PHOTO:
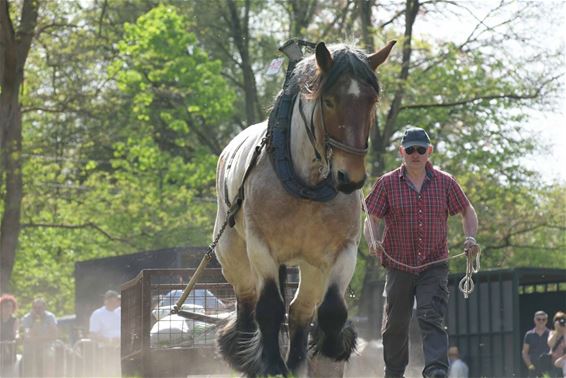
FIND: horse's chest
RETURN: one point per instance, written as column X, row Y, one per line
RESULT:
column 295, row 228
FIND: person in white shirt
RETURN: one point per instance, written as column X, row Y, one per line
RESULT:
column 458, row 368
column 104, row 324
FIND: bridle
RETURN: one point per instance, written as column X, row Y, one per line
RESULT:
column 329, row 141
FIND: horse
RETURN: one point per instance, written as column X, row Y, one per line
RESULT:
column 331, row 97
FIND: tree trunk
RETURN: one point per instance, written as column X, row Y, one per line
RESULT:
column 301, row 13
column 13, row 55
column 365, row 8
column 241, row 37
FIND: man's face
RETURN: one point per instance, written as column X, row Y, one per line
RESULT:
column 540, row 320
column 38, row 308
column 412, row 156
column 112, row 302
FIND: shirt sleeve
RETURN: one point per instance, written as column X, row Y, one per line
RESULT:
column 526, row 339
column 94, row 323
column 376, row 201
column 26, row 322
column 457, row 200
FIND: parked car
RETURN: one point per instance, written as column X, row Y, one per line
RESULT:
column 199, row 300
column 175, row 330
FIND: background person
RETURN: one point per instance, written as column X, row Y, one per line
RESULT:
column 104, row 322
column 9, row 326
column 557, row 344
column 104, row 329
column 535, row 343
column 415, row 201
column 40, row 331
column 458, row 368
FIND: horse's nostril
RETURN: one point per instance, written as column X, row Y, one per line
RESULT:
column 342, row 177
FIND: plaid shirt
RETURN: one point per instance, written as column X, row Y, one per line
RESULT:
column 416, row 224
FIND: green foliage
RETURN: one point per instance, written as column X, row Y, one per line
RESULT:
column 145, row 179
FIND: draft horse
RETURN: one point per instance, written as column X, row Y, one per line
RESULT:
column 334, row 93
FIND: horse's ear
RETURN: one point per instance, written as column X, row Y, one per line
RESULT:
column 376, row 59
column 323, row 57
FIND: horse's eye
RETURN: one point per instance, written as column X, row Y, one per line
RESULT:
column 328, row 103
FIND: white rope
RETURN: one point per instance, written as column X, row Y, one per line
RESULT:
column 466, row 284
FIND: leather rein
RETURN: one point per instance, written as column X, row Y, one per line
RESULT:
column 329, row 142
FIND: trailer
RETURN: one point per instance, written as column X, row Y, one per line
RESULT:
column 154, row 342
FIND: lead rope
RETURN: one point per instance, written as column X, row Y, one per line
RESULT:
column 466, row 284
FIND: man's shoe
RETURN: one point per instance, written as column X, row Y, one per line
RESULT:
column 436, row 373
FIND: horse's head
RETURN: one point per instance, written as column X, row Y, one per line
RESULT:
column 347, row 94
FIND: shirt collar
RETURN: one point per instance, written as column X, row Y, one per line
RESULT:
column 428, row 168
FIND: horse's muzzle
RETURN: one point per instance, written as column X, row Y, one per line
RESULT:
column 344, row 184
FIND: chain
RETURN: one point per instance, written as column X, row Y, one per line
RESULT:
column 212, row 245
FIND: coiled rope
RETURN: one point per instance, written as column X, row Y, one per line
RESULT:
column 466, row 284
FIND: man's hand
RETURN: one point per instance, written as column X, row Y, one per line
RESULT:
column 471, row 247
column 377, row 249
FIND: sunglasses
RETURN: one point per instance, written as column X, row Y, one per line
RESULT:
column 540, row 319
column 420, row 149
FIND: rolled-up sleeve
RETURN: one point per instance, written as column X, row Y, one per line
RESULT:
column 376, row 201
column 457, row 200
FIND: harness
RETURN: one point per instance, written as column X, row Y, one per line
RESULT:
column 279, row 137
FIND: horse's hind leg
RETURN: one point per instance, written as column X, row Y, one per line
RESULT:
column 334, row 336
column 238, row 338
column 270, row 309
column 309, row 294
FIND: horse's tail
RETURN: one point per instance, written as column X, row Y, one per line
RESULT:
column 283, row 281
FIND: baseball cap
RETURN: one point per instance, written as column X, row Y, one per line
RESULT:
column 415, row 136
column 111, row 294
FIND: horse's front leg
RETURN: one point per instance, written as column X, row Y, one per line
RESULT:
column 333, row 336
column 309, row 294
column 270, row 309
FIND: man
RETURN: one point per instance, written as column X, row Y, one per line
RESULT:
column 458, row 368
column 40, row 331
column 104, row 324
column 535, row 343
column 415, row 201
column 104, row 328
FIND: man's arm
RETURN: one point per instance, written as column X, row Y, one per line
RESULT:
column 470, row 225
column 470, row 221
column 377, row 228
column 526, row 358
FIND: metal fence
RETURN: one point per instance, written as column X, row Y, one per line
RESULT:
column 85, row 358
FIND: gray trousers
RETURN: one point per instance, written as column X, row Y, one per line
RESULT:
column 430, row 288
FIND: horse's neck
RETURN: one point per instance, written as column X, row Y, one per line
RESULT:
column 306, row 166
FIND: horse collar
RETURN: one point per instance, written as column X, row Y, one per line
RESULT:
column 279, row 142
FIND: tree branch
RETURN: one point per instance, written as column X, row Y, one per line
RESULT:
column 76, row 227
column 511, row 96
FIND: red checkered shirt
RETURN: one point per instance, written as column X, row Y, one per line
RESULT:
column 416, row 224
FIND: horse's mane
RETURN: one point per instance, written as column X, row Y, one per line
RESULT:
column 309, row 81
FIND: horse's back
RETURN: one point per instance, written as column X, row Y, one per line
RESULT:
column 235, row 159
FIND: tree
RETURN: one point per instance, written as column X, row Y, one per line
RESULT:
column 130, row 169
column 15, row 43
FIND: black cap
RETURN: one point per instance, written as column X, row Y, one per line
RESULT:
column 415, row 136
